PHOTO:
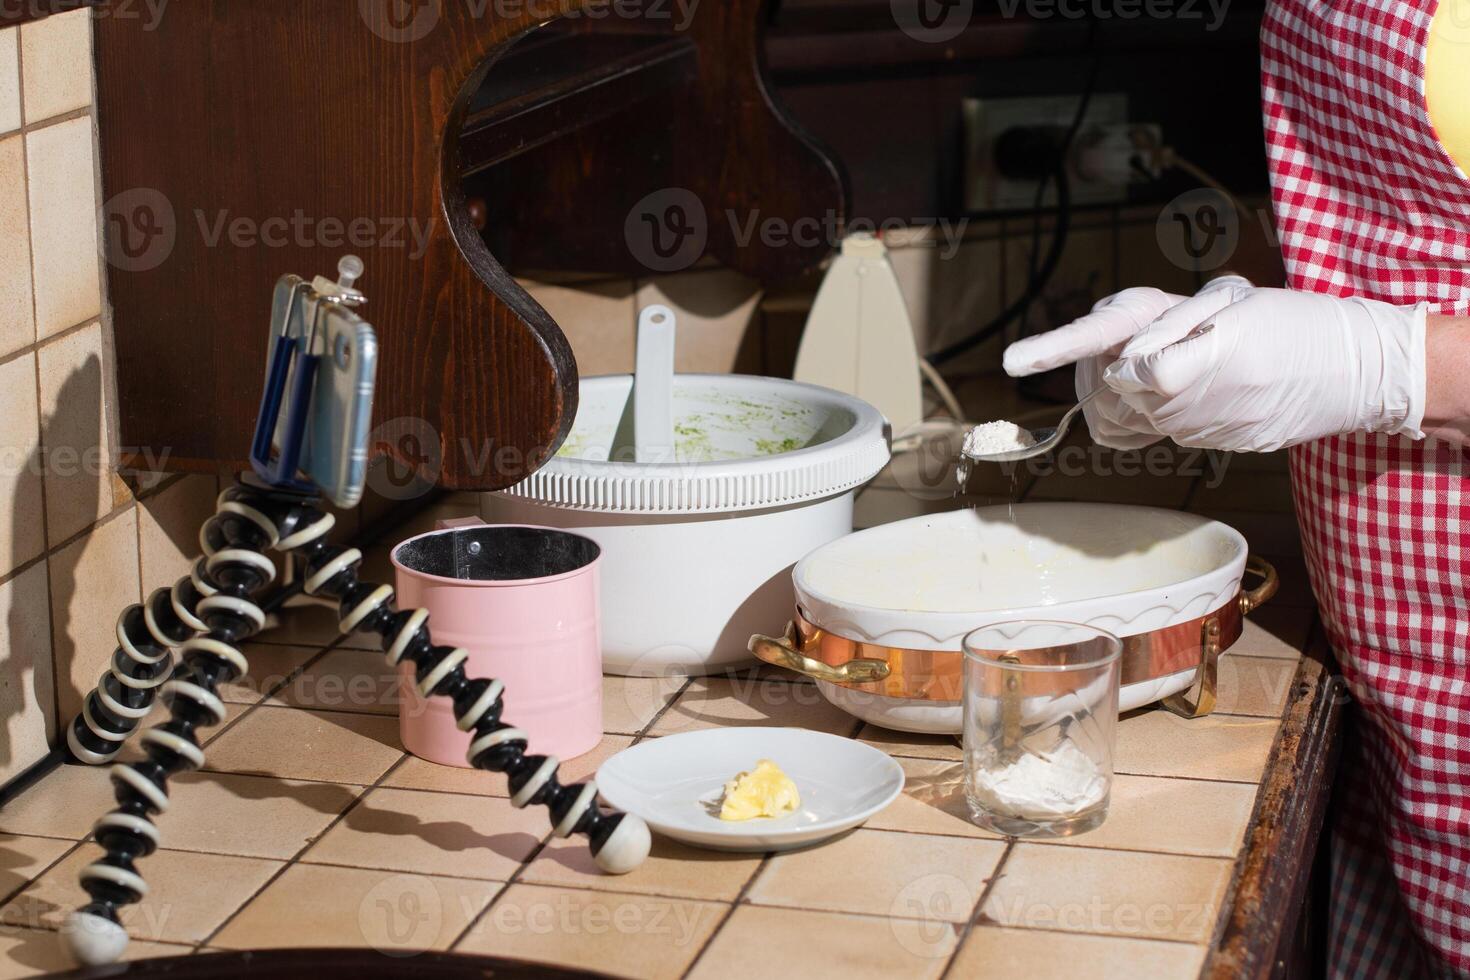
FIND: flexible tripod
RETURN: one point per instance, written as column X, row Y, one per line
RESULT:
column 206, row 616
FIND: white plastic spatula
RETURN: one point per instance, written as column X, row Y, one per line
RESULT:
column 653, row 387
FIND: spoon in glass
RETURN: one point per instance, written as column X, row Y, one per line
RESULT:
column 1047, row 438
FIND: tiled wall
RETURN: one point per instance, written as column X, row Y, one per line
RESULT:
column 77, row 543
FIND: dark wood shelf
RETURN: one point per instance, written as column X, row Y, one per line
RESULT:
column 823, row 39
column 545, row 89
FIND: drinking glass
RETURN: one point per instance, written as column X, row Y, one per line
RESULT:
column 1040, row 723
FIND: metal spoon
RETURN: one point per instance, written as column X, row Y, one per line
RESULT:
column 1047, row 438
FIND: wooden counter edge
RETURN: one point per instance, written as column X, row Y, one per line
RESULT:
column 1272, row 877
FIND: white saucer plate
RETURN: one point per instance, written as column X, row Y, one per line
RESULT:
column 675, row 783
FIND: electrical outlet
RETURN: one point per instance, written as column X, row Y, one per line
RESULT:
column 987, row 119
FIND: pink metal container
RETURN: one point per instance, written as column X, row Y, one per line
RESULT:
column 523, row 602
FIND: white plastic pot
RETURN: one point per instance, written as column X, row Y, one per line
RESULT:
column 698, row 550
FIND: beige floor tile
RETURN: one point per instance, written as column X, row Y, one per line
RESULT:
column 945, row 748
column 312, row 623
column 56, row 55
column 250, row 816
column 1176, row 816
column 630, row 703
column 1123, row 893
column 17, row 315
column 233, row 713
column 1274, row 631
column 671, row 869
column 31, row 952
column 22, row 858
column 1039, row 955
column 415, row 773
column 1154, row 742
column 270, row 665
column 719, row 702
column 168, row 529
column 63, row 225
column 433, row 833
column 312, row 905
column 624, row 935
column 333, row 746
column 189, row 895
column 64, row 804
column 27, row 682
column 10, row 80
column 877, row 872
column 1254, row 686
column 344, row 680
column 933, row 802
column 821, row 944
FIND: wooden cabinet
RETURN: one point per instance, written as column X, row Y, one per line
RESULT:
column 242, row 139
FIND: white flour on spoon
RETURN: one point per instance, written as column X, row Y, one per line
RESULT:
column 997, row 437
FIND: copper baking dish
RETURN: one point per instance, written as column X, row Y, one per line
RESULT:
column 914, row 674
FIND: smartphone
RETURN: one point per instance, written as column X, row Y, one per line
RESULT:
column 334, row 452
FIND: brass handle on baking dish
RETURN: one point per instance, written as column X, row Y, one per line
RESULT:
column 784, row 652
column 1199, row 700
column 1270, row 582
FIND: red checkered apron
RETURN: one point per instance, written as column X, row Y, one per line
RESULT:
column 1370, row 204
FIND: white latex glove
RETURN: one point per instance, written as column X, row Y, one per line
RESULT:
column 1092, row 343
column 1246, row 369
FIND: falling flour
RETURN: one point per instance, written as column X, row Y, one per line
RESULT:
column 1041, row 786
column 997, row 437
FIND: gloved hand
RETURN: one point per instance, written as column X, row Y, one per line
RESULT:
column 1094, row 342
column 1247, row 369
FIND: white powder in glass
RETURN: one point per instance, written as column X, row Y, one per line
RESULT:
column 997, row 437
column 1041, row 786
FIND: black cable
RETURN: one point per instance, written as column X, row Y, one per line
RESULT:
column 1037, row 284
column 1039, row 278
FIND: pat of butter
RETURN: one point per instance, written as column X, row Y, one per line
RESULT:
column 765, row 791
